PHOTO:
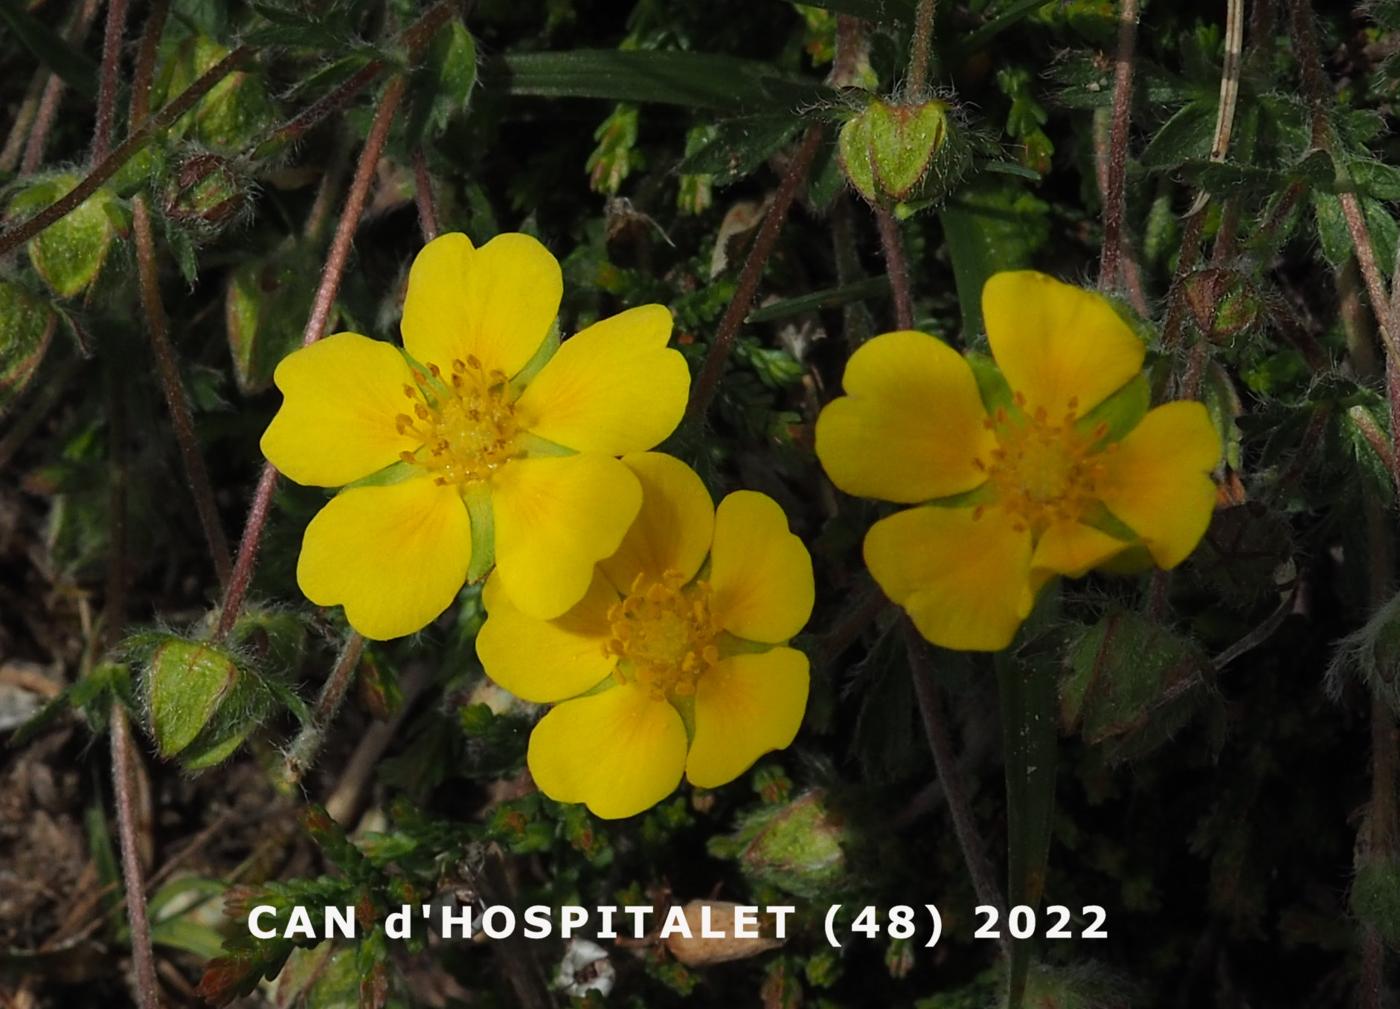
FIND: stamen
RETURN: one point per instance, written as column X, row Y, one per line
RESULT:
column 663, row 635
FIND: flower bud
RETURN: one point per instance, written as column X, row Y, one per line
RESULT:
column 888, row 150
column 26, row 327
column 797, row 846
column 204, row 190
column 1222, row 303
column 69, row 253
column 201, row 703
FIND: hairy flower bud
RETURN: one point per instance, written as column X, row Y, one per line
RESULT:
column 894, row 152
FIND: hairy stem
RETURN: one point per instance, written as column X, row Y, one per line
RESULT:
column 950, row 777
column 723, row 344
column 423, row 196
column 1114, row 197
column 125, row 151
column 897, row 267
column 123, row 758
column 307, row 744
column 919, row 47
column 321, row 306
column 173, row 387
column 108, row 78
column 48, row 97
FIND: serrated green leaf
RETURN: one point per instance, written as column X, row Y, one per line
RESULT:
column 739, row 146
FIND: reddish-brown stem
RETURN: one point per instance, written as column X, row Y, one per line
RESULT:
column 108, row 78
column 123, row 758
column 1189, row 254
column 45, row 112
column 919, row 46
column 728, row 330
column 24, row 119
column 168, row 371
column 146, row 60
column 1114, row 200
column 950, row 777
column 124, row 152
column 897, row 267
column 302, row 753
column 414, row 38
column 247, row 558
column 321, row 307
column 423, row 196
column 43, row 123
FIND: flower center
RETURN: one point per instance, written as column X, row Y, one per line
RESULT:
column 664, row 635
column 467, row 432
column 1043, row 472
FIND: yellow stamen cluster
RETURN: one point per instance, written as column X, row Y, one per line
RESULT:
column 663, row 634
column 468, row 431
column 1043, row 472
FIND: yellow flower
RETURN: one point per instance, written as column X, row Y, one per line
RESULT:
column 1043, row 484
column 481, row 450
column 669, row 664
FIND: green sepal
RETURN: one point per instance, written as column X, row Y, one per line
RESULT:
column 483, row 522
column 537, row 361
column 1121, row 412
column 395, row 472
column 991, row 383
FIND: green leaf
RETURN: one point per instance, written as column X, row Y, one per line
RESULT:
column 50, row 48
column 739, row 146
column 693, row 80
column 993, row 227
column 443, row 84
column 832, row 297
column 1029, row 744
column 26, row 329
column 1184, row 137
column 981, row 37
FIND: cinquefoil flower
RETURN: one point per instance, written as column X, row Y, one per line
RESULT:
column 671, row 663
column 475, row 447
column 1026, row 477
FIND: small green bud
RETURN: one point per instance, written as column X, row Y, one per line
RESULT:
column 201, row 701
column 26, row 328
column 888, row 150
column 797, row 846
column 205, row 190
column 1223, row 304
column 69, row 254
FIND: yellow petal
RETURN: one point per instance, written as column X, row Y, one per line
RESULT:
column 555, row 518
column 546, row 660
column 1158, row 479
column 744, row 707
column 495, row 303
column 615, row 388
column 1055, row 342
column 760, row 574
column 618, row 750
column 340, row 398
column 964, row 581
column 910, row 424
column 1072, row 548
column 674, row 527
column 393, row 556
